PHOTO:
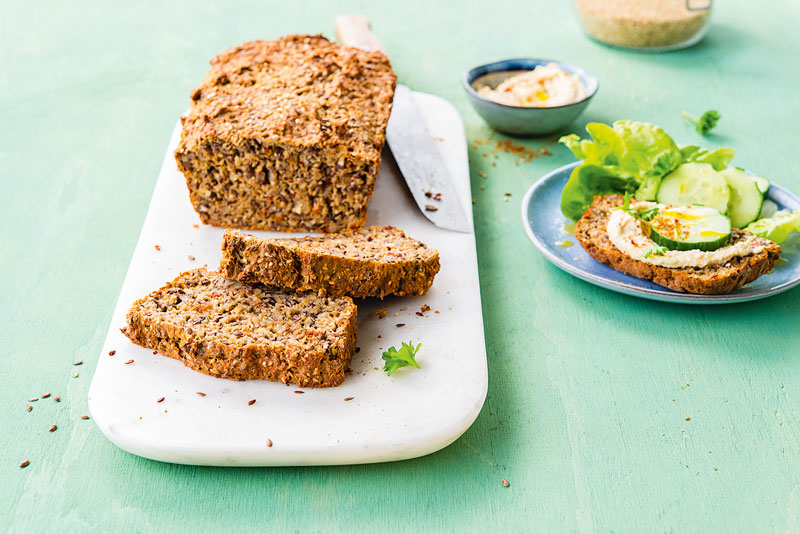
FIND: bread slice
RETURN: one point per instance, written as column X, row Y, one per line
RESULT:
column 373, row 262
column 227, row 329
column 712, row 280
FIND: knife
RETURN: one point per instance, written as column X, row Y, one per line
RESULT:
column 411, row 144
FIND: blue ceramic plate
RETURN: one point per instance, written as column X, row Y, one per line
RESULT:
column 546, row 226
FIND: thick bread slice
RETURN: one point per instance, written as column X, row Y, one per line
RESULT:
column 373, row 262
column 717, row 279
column 227, row 329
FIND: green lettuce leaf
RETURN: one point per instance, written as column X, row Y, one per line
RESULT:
column 628, row 157
column 588, row 180
column 719, row 158
column 776, row 228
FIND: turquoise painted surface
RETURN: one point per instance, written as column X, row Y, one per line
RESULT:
column 589, row 390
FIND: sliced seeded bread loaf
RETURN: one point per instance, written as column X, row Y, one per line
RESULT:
column 227, row 329
column 373, row 262
column 715, row 279
column 287, row 135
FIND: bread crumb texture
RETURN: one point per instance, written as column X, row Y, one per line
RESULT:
column 372, row 262
column 228, row 329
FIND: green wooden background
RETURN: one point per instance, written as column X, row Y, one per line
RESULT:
column 589, row 390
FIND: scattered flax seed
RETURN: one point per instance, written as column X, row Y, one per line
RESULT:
column 33, row 399
column 74, row 374
column 155, row 352
column 157, row 247
column 437, row 196
column 688, row 418
column 57, row 398
column 269, row 443
column 201, row 393
column 29, row 407
column 400, row 325
column 298, row 392
column 77, row 362
column 24, row 464
column 84, row 417
column 160, row 400
column 381, row 313
column 505, row 483
column 129, row 362
column 403, row 308
column 348, row 398
column 45, row 395
column 431, row 207
column 251, row 402
column 191, row 258
column 195, row 226
column 420, row 314
column 507, row 194
column 53, row 428
column 424, row 308
column 429, row 194
column 112, row 352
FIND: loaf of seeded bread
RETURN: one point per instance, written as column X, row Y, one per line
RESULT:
column 287, row 135
column 227, row 329
column 712, row 280
column 372, row 262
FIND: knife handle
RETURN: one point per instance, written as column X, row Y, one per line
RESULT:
column 354, row 30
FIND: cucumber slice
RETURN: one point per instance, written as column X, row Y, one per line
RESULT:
column 746, row 198
column 690, row 228
column 695, row 183
column 768, row 209
column 762, row 184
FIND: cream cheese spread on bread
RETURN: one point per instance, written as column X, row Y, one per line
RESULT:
column 627, row 235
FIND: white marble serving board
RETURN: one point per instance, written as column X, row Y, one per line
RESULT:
column 410, row 414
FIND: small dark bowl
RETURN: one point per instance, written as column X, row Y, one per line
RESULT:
column 517, row 120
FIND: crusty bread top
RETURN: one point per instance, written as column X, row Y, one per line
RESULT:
column 380, row 244
column 300, row 90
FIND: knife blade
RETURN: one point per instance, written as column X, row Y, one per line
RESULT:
column 411, row 144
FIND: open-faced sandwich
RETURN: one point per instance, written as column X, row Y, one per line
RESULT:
column 679, row 217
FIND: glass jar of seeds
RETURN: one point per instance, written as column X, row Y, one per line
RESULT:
column 653, row 25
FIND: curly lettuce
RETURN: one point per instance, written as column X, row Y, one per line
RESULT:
column 776, row 228
column 719, row 158
column 627, row 157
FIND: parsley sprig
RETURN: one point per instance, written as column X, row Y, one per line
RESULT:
column 395, row 359
column 705, row 123
column 643, row 214
column 657, row 250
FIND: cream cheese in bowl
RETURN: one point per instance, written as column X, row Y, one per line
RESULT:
column 544, row 86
